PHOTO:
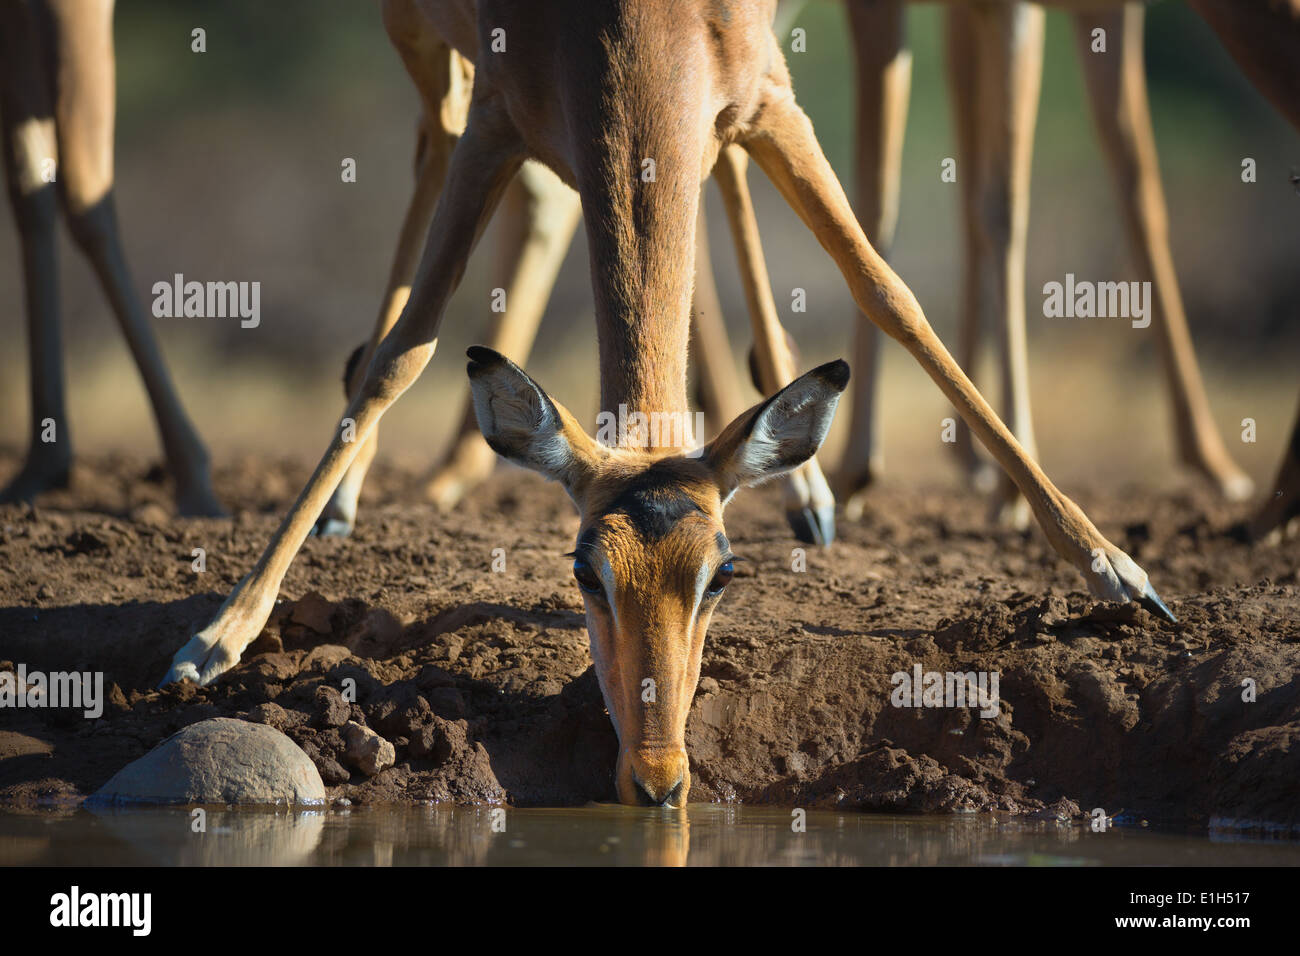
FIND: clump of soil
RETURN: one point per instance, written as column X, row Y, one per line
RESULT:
column 481, row 680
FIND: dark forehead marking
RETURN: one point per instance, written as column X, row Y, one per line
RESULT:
column 654, row 501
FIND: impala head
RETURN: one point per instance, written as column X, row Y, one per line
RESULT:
column 652, row 557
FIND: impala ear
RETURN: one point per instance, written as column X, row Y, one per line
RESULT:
column 523, row 424
column 779, row 434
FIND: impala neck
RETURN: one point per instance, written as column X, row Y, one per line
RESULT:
column 639, row 177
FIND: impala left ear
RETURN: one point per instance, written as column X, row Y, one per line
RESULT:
column 779, row 434
column 524, row 424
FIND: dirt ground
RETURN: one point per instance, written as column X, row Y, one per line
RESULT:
column 483, row 681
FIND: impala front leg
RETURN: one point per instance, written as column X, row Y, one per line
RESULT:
column 483, row 162
column 783, row 143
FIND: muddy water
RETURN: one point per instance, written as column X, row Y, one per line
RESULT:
column 596, row 835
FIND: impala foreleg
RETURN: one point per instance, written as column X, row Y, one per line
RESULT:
column 783, row 143
column 484, row 160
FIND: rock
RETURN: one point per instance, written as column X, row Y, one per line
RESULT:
column 367, row 751
column 329, row 708
column 218, row 761
column 331, row 771
column 708, row 687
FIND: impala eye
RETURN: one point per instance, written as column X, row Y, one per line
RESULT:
column 586, row 577
column 721, row 579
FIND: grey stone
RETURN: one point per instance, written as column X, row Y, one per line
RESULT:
column 219, row 760
column 367, row 751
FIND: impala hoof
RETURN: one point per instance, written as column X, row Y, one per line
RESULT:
column 1151, row 601
column 1114, row 576
column 813, row 525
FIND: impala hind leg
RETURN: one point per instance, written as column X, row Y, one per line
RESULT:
column 782, row 141
column 1117, row 91
column 29, row 145
column 809, row 504
column 487, row 156
column 445, row 81
column 538, row 217
column 1008, row 40
column 883, row 72
column 962, row 56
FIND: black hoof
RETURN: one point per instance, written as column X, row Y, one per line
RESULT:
column 813, row 525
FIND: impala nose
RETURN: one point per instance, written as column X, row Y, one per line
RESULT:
column 648, row 796
column 655, row 777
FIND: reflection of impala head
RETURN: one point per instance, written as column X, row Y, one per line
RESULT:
column 652, row 557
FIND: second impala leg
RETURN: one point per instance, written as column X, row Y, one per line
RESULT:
column 962, row 57
column 883, row 69
column 487, row 156
column 1008, row 39
column 809, row 504
column 1118, row 94
column 538, row 217
column 784, row 145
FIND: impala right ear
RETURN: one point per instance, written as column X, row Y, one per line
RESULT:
column 778, row 434
column 523, row 424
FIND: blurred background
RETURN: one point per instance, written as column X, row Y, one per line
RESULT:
column 229, row 169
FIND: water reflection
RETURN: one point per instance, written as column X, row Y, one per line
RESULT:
column 600, row 835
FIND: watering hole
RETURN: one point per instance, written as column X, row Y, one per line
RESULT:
column 599, row 834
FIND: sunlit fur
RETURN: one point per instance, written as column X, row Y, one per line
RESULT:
column 652, row 529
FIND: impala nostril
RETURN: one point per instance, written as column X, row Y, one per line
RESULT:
column 643, row 796
column 646, row 798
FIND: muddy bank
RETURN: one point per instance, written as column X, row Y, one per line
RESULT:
column 481, row 680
